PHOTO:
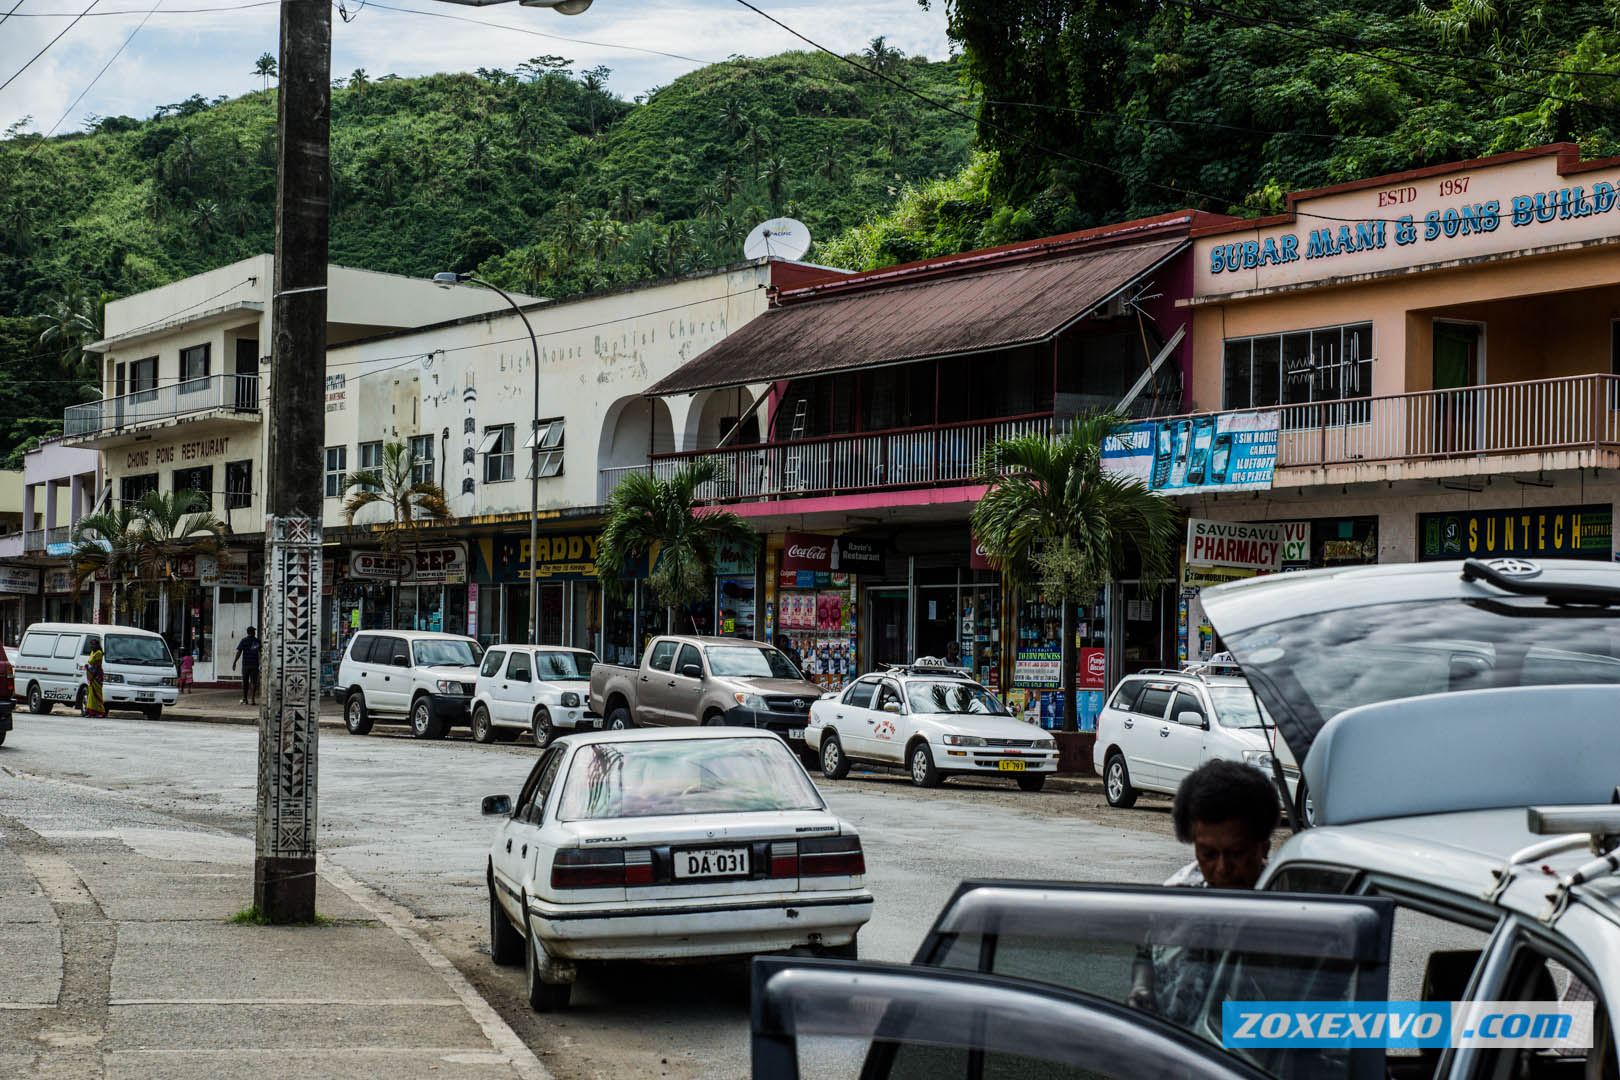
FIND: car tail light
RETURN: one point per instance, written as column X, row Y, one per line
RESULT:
column 784, row 859
column 831, row 856
column 601, row 869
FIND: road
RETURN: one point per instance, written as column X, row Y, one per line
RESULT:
column 402, row 816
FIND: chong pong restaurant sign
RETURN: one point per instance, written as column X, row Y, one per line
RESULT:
column 1563, row 532
column 1234, row 544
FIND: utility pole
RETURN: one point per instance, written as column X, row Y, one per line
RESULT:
column 284, row 855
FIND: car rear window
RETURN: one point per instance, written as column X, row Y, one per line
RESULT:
column 38, row 644
column 360, row 651
column 860, row 695
column 1153, row 701
column 685, row 776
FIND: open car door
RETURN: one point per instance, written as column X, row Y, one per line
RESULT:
column 842, row 1020
column 1191, row 950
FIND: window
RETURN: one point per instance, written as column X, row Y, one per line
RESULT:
column 91, row 644
column 133, row 487
column 685, row 776
column 371, row 461
column 887, row 694
column 360, row 648
column 337, row 463
column 663, row 653
column 1125, row 696
column 238, row 485
column 38, row 644
column 193, row 369
column 422, row 459
column 143, row 379
column 200, row 480
column 532, row 785
column 548, row 780
column 492, row 662
column 67, row 646
column 550, row 436
column 497, row 450
column 1189, row 710
column 689, row 658
column 750, row 662
column 860, row 695
column 1300, row 368
column 447, row 652
column 518, row 668
column 1153, row 701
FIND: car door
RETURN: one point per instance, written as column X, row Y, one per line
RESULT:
column 849, row 715
column 1180, row 954
column 64, row 679
column 390, row 674
column 652, row 690
column 534, row 852
column 1182, row 736
column 509, row 858
column 883, row 724
column 516, row 688
column 685, row 691
column 1148, row 718
column 810, row 1016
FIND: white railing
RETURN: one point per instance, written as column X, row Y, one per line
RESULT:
column 33, row 539
column 61, row 534
column 238, row 393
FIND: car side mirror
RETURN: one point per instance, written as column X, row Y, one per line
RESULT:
column 692, row 671
column 1192, row 719
column 891, row 707
column 498, row 804
column 402, row 661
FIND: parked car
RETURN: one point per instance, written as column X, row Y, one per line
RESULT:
column 138, row 671
column 935, row 722
column 1160, row 725
column 427, row 679
column 535, row 688
column 665, row 845
column 706, row 680
column 7, row 689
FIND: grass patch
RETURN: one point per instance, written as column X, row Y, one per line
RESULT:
column 252, row 916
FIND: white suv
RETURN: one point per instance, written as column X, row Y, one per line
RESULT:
column 425, row 677
column 1161, row 725
column 533, row 688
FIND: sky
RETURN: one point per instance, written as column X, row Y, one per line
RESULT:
column 182, row 50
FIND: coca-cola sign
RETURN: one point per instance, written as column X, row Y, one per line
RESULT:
column 807, row 551
column 978, row 557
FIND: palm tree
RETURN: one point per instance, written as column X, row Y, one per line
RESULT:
column 733, row 116
column 662, row 521
column 727, row 182
column 73, row 320
column 708, row 203
column 108, row 540
column 265, row 68
column 775, row 173
column 395, row 487
column 143, row 545
column 1053, row 518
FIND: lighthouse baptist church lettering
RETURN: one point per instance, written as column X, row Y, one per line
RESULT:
column 1223, row 452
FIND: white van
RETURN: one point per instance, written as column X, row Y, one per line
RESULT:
column 138, row 671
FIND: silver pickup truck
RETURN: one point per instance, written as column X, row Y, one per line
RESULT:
column 684, row 681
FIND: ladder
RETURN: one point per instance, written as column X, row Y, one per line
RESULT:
column 793, row 467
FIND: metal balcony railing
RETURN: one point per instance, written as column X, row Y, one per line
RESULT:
column 33, row 539
column 836, row 464
column 61, row 534
column 238, row 393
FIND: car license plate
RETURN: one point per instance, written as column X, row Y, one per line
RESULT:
column 1010, row 766
column 796, row 733
column 145, row 695
column 711, row 862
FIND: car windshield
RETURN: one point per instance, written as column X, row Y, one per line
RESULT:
column 450, row 653
column 1237, row 707
column 1322, row 664
column 953, row 697
column 685, row 776
column 139, row 650
column 562, row 666
column 750, row 662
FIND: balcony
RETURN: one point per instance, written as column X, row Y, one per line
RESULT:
column 923, row 457
column 227, row 397
column 33, row 541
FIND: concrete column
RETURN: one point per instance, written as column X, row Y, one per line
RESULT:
column 30, row 517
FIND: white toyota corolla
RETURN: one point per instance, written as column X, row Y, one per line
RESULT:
column 665, row 845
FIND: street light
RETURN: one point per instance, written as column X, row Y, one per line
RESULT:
column 450, row 279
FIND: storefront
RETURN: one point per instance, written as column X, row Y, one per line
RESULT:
column 736, row 591
column 61, row 604
column 573, row 609
column 817, row 609
column 424, row 588
column 19, row 603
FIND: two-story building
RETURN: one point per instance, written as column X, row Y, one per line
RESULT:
column 186, row 379
column 58, row 484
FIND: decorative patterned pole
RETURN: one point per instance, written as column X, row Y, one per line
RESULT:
column 284, row 862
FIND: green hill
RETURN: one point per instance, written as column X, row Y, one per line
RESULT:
column 538, row 178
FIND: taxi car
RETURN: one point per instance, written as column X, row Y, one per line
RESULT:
column 933, row 721
column 668, row 845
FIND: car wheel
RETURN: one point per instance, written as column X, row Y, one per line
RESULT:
column 1034, row 782
column 834, row 765
column 505, row 943
column 543, row 996
column 1304, row 805
column 153, row 712
column 36, row 700
column 2, row 736
column 541, row 729
column 714, row 719
column 355, row 716
column 424, row 725
column 618, row 719
column 483, row 730
column 1117, row 783
column 923, row 773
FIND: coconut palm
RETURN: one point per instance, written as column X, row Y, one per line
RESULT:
column 265, row 68
column 142, row 546
column 394, row 487
column 774, row 173
column 70, row 322
column 108, row 540
column 1054, row 519
column 660, row 520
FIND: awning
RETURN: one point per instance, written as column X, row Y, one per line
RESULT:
column 996, row 308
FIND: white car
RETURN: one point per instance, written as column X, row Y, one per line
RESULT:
column 138, row 671
column 422, row 677
column 668, row 845
column 934, row 722
column 533, row 688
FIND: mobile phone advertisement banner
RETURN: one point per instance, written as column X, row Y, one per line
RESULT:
column 1212, row 452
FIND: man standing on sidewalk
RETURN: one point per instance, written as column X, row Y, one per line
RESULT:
column 247, row 652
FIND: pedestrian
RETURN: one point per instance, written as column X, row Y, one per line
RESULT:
column 187, row 662
column 1227, row 810
column 953, row 654
column 94, row 705
column 247, row 651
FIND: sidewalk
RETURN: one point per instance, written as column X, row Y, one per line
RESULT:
column 118, row 958
column 225, row 707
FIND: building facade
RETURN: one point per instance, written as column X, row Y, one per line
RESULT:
column 58, row 485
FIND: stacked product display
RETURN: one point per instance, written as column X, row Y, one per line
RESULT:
column 819, row 626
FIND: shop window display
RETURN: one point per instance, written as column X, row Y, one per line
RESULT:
column 1037, row 686
column 817, row 628
column 981, row 635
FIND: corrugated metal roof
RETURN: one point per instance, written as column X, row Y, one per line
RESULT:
column 995, row 308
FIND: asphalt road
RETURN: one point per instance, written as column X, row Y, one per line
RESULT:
column 403, row 817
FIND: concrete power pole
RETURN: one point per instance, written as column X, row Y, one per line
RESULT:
column 284, row 862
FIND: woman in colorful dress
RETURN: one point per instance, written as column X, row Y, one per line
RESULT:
column 93, row 704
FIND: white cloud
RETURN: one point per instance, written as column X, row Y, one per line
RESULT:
column 211, row 54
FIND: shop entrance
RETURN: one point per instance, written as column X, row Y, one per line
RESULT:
column 937, row 631
column 890, row 614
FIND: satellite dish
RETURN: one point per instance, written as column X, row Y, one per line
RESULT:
column 778, row 238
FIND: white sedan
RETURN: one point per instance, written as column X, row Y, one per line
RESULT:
column 665, row 845
column 933, row 723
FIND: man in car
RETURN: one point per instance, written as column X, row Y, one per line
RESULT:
column 1227, row 810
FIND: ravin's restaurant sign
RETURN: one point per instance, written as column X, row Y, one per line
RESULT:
column 1463, row 213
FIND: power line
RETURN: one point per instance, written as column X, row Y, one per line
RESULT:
column 137, row 11
column 93, row 81
column 538, row 33
column 48, row 44
column 10, row 13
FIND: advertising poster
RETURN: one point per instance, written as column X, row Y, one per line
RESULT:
column 1213, row 452
column 1038, row 668
column 1565, row 532
column 1235, row 544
